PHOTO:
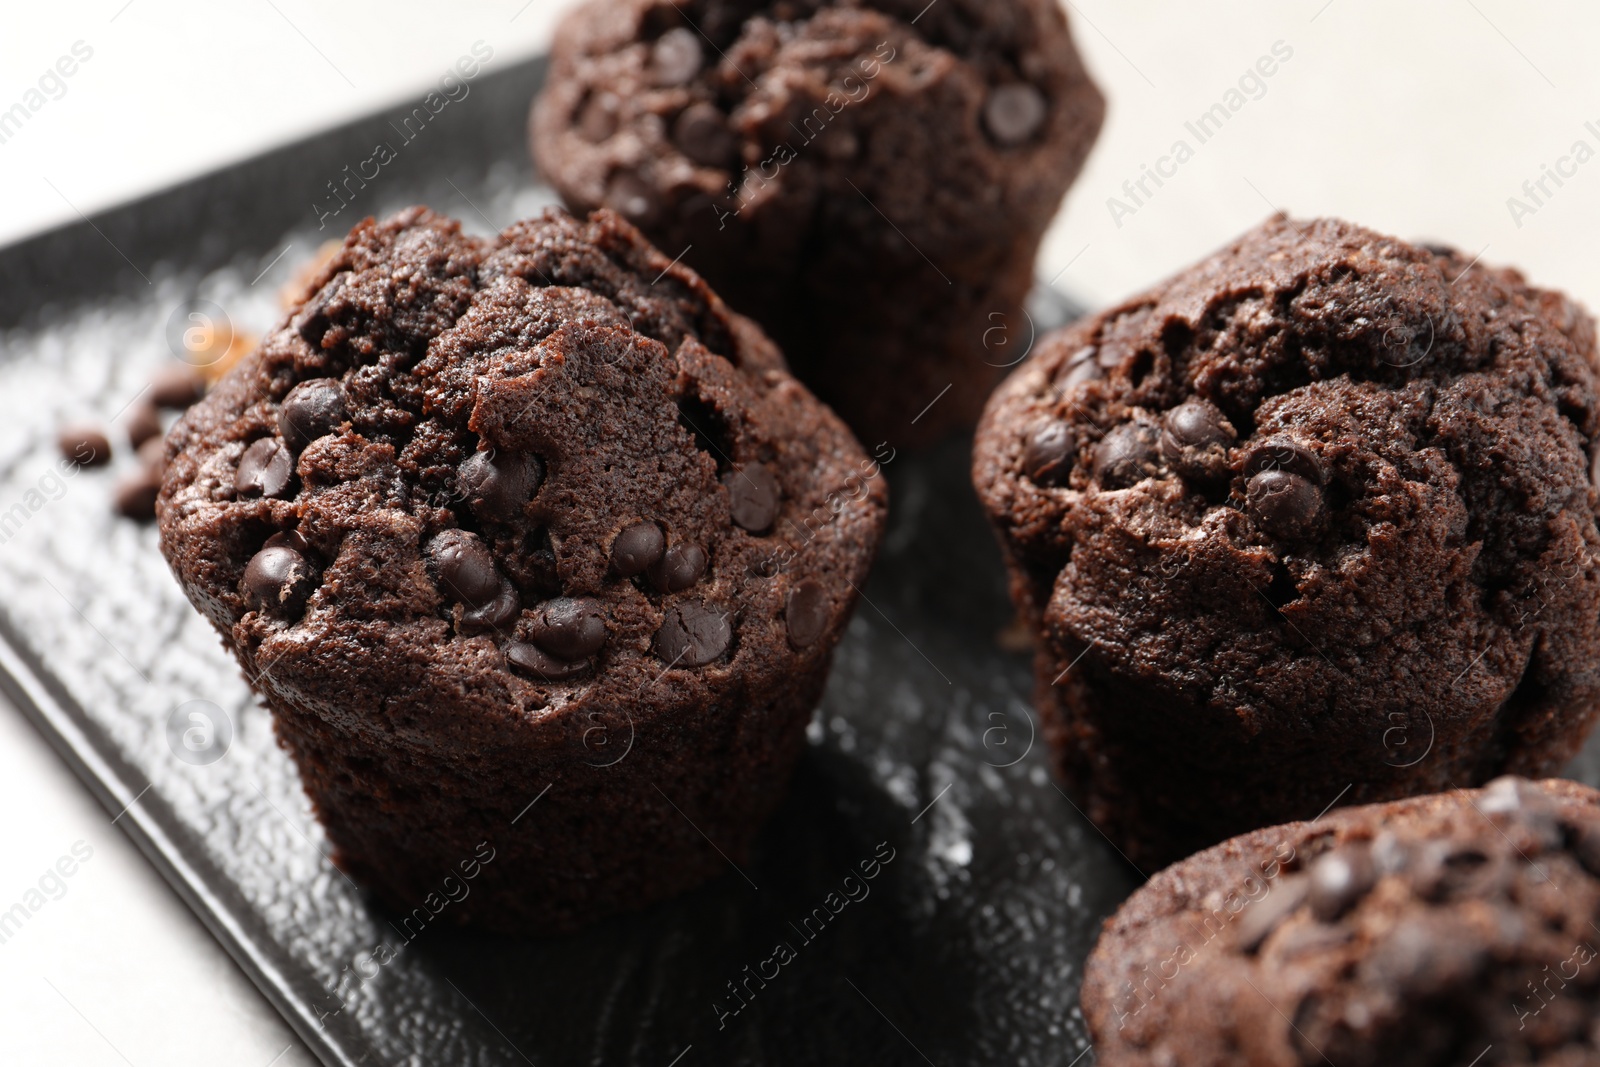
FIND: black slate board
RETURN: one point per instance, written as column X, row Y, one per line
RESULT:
column 966, row 949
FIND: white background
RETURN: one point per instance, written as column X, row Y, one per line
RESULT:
column 1418, row 118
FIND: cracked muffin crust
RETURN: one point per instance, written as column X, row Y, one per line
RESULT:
column 1315, row 513
column 491, row 520
column 1456, row 928
column 868, row 179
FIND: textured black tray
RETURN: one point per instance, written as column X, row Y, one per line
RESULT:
column 967, row 947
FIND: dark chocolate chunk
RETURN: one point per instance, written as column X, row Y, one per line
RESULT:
column 1283, row 504
column 494, row 614
column 753, row 496
column 1267, row 914
column 312, row 409
column 679, row 567
column 597, row 121
column 693, row 634
column 805, row 612
column 1195, row 437
column 1050, row 452
column 135, row 495
column 144, row 422
column 541, row 664
column 498, row 485
column 465, row 568
column 1080, row 367
column 637, row 548
column 569, row 627
column 632, row 197
column 87, row 446
column 1339, row 879
column 1286, row 454
column 676, row 56
column 702, row 133
column 176, row 386
column 1013, row 113
column 264, row 469
column 278, row 579
column 1126, row 456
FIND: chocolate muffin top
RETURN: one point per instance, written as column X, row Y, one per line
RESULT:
column 773, row 120
column 1321, row 481
column 1456, row 928
column 548, row 477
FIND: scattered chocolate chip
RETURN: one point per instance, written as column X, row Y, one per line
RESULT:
column 1195, row 437
column 1081, row 367
column 465, row 568
column 1286, row 454
column 87, row 446
column 1126, row 456
column 1444, row 868
column 679, row 567
column 1283, row 504
column 152, row 457
column 806, row 613
column 1013, row 113
column 498, row 485
column 536, row 661
column 278, row 579
column 144, row 422
column 176, row 386
column 631, row 197
column 1390, row 855
column 637, row 548
column 676, row 56
column 1523, row 812
column 597, row 121
column 692, row 635
column 135, row 496
column 569, row 627
column 1339, row 879
column 500, row 610
column 703, row 135
column 1268, row 913
column 753, row 495
column 1051, row 451
column 264, row 469
column 312, row 409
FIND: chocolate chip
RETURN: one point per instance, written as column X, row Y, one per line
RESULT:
column 679, row 567
column 1013, row 113
column 1268, row 913
column 692, row 635
column 1425, row 956
column 278, row 579
column 312, row 409
column 1195, row 437
column 1283, row 504
column 598, row 120
column 1125, row 456
column 1339, row 879
column 537, row 662
column 703, row 134
column 135, row 496
column 1051, row 451
column 676, row 56
column 637, row 548
column 1082, row 367
column 753, row 495
column 495, row 614
column 498, row 485
column 1286, row 454
column 569, row 627
column 1523, row 812
column 264, row 469
column 144, row 422
column 176, row 386
column 465, row 568
column 152, row 456
column 87, row 446
column 1445, row 868
column 631, row 197
column 805, row 612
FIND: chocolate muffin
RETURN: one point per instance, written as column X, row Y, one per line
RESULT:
column 869, row 179
column 1314, row 514
column 518, row 538
column 1451, row 929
